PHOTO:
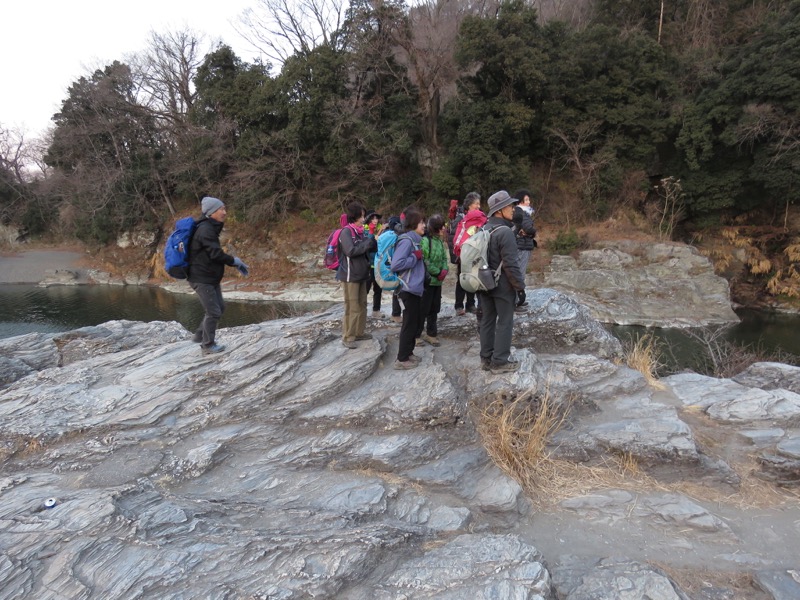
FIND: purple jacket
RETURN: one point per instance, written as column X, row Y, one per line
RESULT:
column 408, row 267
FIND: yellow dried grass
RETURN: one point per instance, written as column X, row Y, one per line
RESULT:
column 516, row 434
column 644, row 356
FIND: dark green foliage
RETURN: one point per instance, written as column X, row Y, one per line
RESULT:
column 492, row 130
column 108, row 149
column 365, row 116
column 739, row 139
column 565, row 242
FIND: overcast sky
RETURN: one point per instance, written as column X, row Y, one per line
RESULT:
column 48, row 44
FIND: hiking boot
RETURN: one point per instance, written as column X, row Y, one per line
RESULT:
column 397, row 319
column 460, row 312
column 431, row 339
column 361, row 338
column 349, row 345
column 506, row 367
column 414, row 358
column 197, row 338
column 212, row 349
column 404, row 365
column 521, row 308
column 376, row 314
column 486, row 364
column 419, row 342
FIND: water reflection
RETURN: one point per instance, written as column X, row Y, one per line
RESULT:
column 27, row 308
column 771, row 335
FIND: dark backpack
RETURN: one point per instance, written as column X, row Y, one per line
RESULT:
column 176, row 251
column 331, row 258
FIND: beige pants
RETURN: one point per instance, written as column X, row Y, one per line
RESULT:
column 355, row 310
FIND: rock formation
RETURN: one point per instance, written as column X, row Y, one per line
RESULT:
column 641, row 283
column 134, row 466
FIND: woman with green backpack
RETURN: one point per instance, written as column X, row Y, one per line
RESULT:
column 434, row 255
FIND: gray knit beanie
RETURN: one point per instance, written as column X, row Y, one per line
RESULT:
column 210, row 205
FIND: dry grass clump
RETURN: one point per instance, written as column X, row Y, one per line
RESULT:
column 696, row 581
column 644, row 355
column 752, row 491
column 516, row 434
column 23, row 445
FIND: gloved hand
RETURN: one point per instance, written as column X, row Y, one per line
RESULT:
column 442, row 274
column 418, row 254
column 243, row 268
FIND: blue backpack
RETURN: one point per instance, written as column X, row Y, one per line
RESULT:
column 176, row 251
column 384, row 276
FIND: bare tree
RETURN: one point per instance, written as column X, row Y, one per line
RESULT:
column 574, row 12
column 426, row 47
column 13, row 155
column 281, row 28
column 165, row 71
column 427, row 50
column 704, row 22
column 577, row 146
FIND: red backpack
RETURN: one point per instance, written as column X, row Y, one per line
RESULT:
column 331, row 258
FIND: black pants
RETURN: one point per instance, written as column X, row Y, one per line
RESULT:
column 411, row 320
column 396, row 310
column 376, row 291
column 461, row 293
column 429, row 310
column 211, row 298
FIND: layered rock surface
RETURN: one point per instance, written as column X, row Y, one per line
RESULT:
column 134, row 466
column 640, row 283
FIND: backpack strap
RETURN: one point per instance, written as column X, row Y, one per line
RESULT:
column 499, row 268
column 403, row 284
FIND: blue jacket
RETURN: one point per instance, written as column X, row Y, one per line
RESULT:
column 408, row 267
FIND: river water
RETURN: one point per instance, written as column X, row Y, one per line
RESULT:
column 30, row 308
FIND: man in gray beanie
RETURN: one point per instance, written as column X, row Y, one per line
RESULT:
column 206, row 267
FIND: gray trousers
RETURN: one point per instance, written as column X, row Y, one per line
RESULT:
column 524, row 256
column 497, row 324
column 211, row 298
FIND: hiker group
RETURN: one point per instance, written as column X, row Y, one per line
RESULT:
column 407, row 256
column 410, row 257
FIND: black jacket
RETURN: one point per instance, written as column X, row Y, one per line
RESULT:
column 524, row 223
column 503, row 246
column 206, row 259
column 451, row 233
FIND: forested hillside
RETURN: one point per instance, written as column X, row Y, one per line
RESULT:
column 684, row 112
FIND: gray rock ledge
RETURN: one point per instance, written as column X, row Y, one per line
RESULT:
column 288, row 467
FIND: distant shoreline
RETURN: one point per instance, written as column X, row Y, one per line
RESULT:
column 31, row 266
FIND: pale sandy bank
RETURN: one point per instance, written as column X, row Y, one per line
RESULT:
column 31, row 266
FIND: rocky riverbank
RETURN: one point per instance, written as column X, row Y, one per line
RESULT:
column 133, row 466
column 623, row 282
